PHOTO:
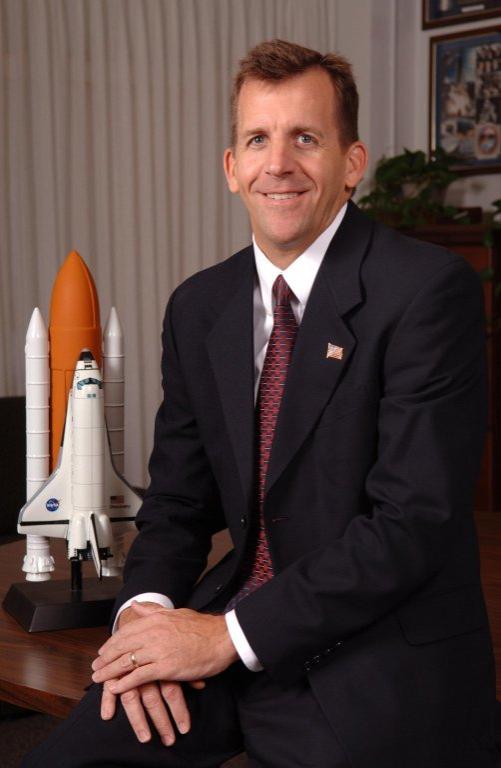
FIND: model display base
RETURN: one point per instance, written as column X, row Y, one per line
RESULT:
column 46, row 605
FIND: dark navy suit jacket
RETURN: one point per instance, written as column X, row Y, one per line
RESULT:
column 369, row 496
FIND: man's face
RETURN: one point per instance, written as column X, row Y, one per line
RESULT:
column 288, row 164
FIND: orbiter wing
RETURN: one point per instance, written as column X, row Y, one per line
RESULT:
column 48, row 512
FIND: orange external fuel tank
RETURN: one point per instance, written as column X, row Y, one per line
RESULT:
column 74, row 325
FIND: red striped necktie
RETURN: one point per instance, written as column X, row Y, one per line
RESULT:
column 257, row 567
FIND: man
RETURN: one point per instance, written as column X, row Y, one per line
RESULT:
column 325, row 401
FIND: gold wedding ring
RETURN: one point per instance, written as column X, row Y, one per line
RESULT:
column 133, row 660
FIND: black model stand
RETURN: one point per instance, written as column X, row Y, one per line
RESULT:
column 43, row 605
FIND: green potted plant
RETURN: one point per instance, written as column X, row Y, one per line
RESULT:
column 409, row 190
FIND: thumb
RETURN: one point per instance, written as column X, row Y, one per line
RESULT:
column 145, row 609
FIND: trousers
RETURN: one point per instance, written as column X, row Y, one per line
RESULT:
column 237, row 711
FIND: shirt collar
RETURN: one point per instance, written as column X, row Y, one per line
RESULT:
column 301, row 274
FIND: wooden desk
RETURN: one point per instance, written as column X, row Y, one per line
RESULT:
column 48, row 671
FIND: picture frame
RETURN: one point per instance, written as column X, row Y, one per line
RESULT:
column 441, row 13
column 465, row 99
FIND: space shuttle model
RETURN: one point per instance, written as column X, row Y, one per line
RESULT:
column 74, row 431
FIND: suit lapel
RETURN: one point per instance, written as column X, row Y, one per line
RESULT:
column 230, row 346
column 312, row 376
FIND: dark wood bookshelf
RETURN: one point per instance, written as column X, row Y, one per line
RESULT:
column 472, row 242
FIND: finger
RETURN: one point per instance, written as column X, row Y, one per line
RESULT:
column 138, row 628
column 148, row 673
column 131, row 702
column 119, row 667
column 198, row 684
column 174, row 696
column 114, row 647
column 155, row 707
column 108, row 703
column 123, row 646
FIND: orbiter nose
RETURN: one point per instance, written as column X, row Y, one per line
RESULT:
column 86, row 356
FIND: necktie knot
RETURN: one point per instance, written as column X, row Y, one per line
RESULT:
column 282, row 292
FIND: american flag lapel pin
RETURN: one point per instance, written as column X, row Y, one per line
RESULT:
column 334, row 352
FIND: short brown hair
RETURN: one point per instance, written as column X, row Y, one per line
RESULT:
column 276, row 60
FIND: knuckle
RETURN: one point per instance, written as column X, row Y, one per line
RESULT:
column 129, row 697
column 170, row 691
column 125, row 661
column 150, row 699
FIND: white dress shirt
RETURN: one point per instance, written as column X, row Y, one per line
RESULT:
column 300, row 276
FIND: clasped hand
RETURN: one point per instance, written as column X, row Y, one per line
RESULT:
column 167, row 646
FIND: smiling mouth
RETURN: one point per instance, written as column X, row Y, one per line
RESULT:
column 282, row 195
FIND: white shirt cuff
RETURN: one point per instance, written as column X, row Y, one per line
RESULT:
column 144, row 597
column 239, row 640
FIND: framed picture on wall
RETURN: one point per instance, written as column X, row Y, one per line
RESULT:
column 465, row 99
column 440, row 13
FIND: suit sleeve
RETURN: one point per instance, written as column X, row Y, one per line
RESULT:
column 431, row 428
column 181, row 509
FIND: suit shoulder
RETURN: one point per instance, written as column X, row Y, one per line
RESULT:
column 208, row 284
column 196, row 303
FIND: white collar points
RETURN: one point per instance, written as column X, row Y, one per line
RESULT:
column 301, row 274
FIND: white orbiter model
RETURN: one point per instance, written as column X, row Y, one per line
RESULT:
column 85, row 500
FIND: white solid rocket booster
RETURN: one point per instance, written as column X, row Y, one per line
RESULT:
column 113, row 380
column 37, row 563
column 114, row 397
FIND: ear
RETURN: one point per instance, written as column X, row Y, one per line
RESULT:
column 229, row 163
column 357, row 158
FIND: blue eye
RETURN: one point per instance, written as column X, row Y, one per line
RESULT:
column 305, row 138
column 256, row 140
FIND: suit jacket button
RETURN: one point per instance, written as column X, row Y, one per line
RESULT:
column 218, row 588
column 243, row 521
